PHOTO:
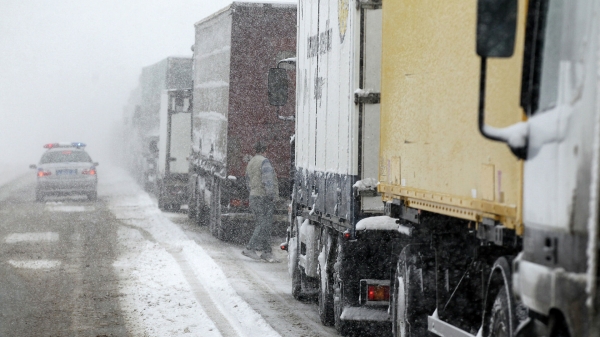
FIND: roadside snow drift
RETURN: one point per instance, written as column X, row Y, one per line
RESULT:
column 170, row 285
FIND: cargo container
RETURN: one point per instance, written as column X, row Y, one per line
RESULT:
column 459, row 193
column 233, row 51
column 143, row 110
column 175, row 136
column 335, row 252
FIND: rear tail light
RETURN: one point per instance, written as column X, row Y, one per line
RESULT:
column 284, row 246
column 347, row 235
column 238, row 203
column 374, row 292
column 89, row 172
column 378, row 293
column 43, row 173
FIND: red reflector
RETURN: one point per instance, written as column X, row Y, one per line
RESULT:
column 347, row 235
column 238, row 203
column 284, row 246
column 378, row 293
column 67, row 152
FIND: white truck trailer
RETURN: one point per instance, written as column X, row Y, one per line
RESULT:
column 336, row 166
column 174, row 147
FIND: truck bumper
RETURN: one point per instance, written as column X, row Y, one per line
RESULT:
column 543, row 288
column 365, row 313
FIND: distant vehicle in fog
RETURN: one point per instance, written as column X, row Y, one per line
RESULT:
column 66, row 169
column 174, row 148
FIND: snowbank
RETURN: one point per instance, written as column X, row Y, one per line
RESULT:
column 170, row 285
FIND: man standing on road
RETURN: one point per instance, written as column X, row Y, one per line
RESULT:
column 264, row 190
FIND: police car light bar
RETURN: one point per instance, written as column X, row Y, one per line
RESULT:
column 74, row 144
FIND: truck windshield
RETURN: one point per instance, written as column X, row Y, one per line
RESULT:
column 66, row 156
column 551, row 56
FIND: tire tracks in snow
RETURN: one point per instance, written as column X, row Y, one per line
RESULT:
column 286, row 315
column 202, row 296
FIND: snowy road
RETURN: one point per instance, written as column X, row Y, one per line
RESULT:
column 167, row 276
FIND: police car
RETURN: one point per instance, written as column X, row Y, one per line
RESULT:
column 66, row 169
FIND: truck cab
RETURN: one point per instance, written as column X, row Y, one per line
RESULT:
column 555, row 275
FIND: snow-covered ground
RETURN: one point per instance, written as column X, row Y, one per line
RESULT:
column 177, row 280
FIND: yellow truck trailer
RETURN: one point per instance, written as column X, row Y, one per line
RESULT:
column 432, row 156
column 460, row 193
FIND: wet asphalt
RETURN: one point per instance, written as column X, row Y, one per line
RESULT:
column 56, row 274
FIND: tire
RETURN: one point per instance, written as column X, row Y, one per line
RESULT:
column 192, row 210
column 410, row 305
column 297, row 284
column 215, row 209
column 161, row 198
column 325, row 297
column 503, row 316
column 499, row 317
column 339, row 300
column 92, row 196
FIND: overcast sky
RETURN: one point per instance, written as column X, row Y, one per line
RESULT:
column 67, row 66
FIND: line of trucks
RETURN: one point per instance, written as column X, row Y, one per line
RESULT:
column 440, row 159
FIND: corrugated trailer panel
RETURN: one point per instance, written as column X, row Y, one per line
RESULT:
column 328, row 128
column 262, row 35
column 326, row 84
column 212, row 54
column 432, row 155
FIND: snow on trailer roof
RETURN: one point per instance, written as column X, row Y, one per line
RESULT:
column 234, row 4
column 381, row 223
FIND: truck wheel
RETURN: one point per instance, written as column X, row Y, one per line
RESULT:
column 410, row 305
column 297, row 284
column 215, row 209
column 161, row 201
column 325, row 287
column 192, row 198
column 499, row 317
column 503, row 315
column 191, row 208
column 326, row 301
column 342, row 327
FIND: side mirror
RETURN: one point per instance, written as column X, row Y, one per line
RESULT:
column 95, row 163
column 496, row 34
column 278, row 86
column 32, row 166
column 496, row 27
